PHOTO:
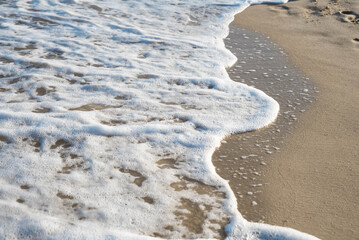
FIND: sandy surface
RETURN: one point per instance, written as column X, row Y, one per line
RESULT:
column 314, row 179
column 243, row 158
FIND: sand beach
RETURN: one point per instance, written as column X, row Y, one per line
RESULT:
column 311, row 182
column 110, row 112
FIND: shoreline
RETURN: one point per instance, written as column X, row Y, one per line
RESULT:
column 243, row 158
column 102, row 143
column 312, row 179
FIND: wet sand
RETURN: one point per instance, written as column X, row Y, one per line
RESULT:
column 311, row 182
column 243, row 158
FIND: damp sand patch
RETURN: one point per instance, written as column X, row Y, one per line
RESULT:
column 243, row 158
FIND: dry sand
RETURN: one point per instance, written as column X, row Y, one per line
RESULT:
column 314, row 179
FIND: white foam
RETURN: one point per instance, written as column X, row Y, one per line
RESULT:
column 153, row 75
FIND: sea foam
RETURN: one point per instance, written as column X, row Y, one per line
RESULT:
column 110, row 112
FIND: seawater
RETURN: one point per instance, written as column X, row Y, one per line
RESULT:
column 110, row 112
